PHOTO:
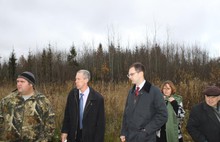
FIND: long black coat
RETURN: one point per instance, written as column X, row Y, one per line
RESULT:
column 203, row 124
column 93, row 117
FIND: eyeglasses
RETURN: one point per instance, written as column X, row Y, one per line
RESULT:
column 131, row 74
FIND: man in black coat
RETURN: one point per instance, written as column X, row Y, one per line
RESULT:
column 204, row 120
column 145, row 110
column 84, row 118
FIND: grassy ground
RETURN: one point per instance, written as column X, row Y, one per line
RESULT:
column 115, row 97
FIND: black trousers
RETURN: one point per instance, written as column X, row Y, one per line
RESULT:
column 79, row 136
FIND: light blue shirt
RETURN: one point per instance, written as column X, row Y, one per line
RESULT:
column 85, row 96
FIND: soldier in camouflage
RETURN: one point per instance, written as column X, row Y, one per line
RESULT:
column 26, row 115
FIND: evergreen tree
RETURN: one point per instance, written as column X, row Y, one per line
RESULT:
column 12, row 66
column 30, row 62
column 43, row 66
column 50, row 63
column 71, row 59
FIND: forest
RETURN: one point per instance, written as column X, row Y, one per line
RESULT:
column 178, row 63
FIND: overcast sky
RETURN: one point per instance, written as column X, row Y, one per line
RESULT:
column 32, row 24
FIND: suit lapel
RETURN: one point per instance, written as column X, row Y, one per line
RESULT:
column 146, row 87
column 89, row 103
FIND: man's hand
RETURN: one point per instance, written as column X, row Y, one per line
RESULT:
column 122, row 138
column 64, row 137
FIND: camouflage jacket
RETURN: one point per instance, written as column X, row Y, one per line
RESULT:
column 31, row 120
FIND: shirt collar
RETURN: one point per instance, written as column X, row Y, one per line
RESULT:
column 86, row 92
column 141, row 85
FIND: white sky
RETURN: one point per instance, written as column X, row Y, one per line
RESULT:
column 33, row 24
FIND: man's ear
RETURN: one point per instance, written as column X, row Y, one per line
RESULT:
column 142, row 73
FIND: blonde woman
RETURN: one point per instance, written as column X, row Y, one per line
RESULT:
column 170, row 132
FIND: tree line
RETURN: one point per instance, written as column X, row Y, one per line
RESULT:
column 175, row 62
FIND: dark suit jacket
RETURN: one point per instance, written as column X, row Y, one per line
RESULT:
column 203, row 124
column 93, row 117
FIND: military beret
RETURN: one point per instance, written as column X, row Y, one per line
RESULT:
column 212, row 91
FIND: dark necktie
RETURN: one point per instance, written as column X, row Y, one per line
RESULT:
column 137, row 91
column 81, row 110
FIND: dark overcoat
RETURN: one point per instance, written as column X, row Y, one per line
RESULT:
column 93, row 117
column 144, row 114
column 203, row 124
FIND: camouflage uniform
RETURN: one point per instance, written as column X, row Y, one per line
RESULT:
column 31, row 120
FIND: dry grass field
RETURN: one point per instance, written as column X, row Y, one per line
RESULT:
column 115, row 97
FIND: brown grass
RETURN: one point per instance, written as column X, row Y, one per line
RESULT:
column 115, row 96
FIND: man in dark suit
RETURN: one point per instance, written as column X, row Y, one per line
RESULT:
column 204, row 120
column 84, row 118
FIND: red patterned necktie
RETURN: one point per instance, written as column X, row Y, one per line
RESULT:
column 137, row 91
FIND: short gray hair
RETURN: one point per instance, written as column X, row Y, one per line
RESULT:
column 85, row 73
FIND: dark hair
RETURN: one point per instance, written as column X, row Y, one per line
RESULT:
column 139, row 67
